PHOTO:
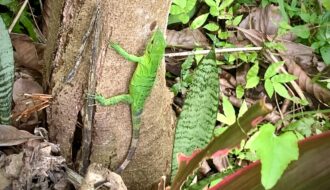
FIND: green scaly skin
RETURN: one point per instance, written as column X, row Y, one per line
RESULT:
column 199, row 113
column 6, row 74
column 140, row 86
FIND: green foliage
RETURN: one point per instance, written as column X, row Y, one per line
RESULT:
column 182, row 11
column 252, row 78
column 186, row 76
column 275, row 82
column 25, row 24
column 275, row 152
column 229, row 116
column 199, row 21
column 229, row 139
column 6, row 74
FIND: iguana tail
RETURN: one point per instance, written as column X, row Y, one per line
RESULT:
column 136, row 120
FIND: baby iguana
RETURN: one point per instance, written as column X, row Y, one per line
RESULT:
column 140, row 86
column 199, row 113
column 6, row 74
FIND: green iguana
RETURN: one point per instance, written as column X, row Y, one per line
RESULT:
column 6, row 74
column 140, row 86
column 199, row 113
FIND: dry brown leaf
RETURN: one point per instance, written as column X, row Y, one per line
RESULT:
column 10, row 136
column 25, row 52
column 306, row 84
column 186, row 38
column 303, row 56
column 266, row 20
column 42, row 168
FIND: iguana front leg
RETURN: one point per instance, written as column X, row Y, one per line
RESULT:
column 125, row 98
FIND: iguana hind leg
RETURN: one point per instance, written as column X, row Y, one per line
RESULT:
column 125, row 98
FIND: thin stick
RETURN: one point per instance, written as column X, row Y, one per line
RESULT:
column 205, row 52
column 73, row 71
column 17, row 16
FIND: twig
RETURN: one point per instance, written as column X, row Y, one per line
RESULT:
column 205, row 52
column 17, row 16
column 73, row 71
column 89, row 110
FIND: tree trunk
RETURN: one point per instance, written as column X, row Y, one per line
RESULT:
column 130, row 23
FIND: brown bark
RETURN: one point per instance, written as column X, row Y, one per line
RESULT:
column 130, row 23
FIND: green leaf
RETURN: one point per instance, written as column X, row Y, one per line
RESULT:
column 211, row 27
column 228, row 111
column 214, row 11
column 272, row 69
column 184, row 18
column 326, row 4
column 283, row 78
column 175, row 10
column 190, row 5
column 325, row 53
column 243, row 57
column 199, row 21
column 301, row 31
column 180, row 3
column 252, row 82
column 269, row 87
column 242, row 109
column 237, row 20
column 252, row 76
column 239, row 91
column 210, row 3
column 275, row 153
column 225, row 4
column 303, row 126
column 281, row 90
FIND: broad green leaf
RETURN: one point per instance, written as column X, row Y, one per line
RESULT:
column 281, row 90
column 199, row 21
column 252, row 82
column 222, row 118
column 184, row 18
column 228, row 110
column 283, row 78
column 225, row 4
column 252, row 76
column 223, row 35
column 301, row 31
column 237, row 20
column 239, row 91
column 243, row 57
column 272, row 69
column 275, row 153
column 269, row 88
column 180, row 3
column 175, row 10
column 231, row 58
column 242, row 109
column 214, row 11
column 211, row 27
column 325, row 53
column 326, row 4
column 190, row 5
column 210, row 3
column 303, row 126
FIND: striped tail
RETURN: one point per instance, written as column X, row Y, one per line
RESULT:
column 136, row 120
column 6, row 74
